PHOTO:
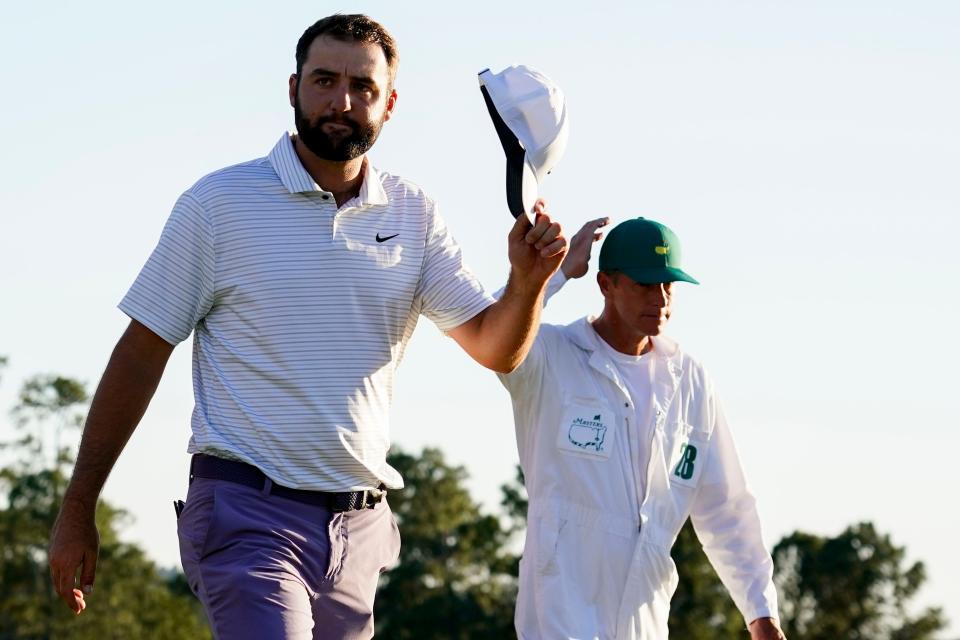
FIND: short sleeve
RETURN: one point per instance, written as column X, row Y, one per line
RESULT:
column 174, row 290
column 448, row 293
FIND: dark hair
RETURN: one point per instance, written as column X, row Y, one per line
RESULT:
column 613, row 274
column 356, row 27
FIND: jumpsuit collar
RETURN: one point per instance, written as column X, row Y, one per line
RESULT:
column 667, row 359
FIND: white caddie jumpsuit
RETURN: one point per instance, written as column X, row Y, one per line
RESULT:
column 596, row 562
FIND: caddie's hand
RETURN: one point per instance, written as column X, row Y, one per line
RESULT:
column 74, row 544
column 581, row 244
column 536, row 250
column 766, row 629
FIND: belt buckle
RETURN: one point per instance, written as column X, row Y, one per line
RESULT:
column 371, row 497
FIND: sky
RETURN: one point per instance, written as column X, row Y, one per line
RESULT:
column 805, row 153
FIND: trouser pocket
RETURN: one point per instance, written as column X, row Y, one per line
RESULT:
column 548, row 543
column 336, row 540
column 193, row 527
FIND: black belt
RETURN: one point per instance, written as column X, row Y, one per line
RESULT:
column 204, row 466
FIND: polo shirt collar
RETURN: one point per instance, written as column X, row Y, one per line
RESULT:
column 283, row 157
column 371, row 191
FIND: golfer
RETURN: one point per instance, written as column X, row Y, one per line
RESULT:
column 301, row 276
column 621, row 438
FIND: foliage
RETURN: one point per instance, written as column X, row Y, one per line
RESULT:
column 852, row 586
column 515, row 502
column 454, row 580
column 48, row 403
column 133, row 600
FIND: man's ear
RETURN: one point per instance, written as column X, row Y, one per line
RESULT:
column 292, row 88
column 604, row 281
column 391, row 103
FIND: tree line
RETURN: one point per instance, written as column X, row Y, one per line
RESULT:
column 457, row 574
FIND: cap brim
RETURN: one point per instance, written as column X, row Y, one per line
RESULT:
column 519, row 175
column 653, row 275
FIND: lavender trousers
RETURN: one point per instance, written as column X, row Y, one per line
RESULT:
column 268, row 568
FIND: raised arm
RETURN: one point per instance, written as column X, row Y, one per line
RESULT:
column 576, row 262
column 500, row 336
column 125, row 390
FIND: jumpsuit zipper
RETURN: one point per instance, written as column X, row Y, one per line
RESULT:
column 631, row 438
column 649, row 470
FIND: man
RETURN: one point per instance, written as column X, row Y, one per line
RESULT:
column 301, row 275
column 621, row 438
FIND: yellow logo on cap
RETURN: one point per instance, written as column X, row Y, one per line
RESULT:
column 662, row 250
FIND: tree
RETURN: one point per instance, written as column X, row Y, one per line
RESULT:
column 51, row 399
column 852, row 586
column 454, row 580
column 515, row 501
column 133, row 599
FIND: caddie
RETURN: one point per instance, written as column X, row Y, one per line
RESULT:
column 301, row 276
column 621, row 438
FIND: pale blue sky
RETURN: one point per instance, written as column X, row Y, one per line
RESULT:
column 806, row 154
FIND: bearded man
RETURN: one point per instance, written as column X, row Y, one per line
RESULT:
column 301, row 276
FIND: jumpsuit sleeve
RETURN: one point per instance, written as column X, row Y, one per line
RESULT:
column 554, row 284
column 525, row 384
column 725, row 518
column 524, row 381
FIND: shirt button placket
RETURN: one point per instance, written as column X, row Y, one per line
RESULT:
column 328, row 209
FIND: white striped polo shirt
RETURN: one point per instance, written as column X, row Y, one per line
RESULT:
column 301, row 312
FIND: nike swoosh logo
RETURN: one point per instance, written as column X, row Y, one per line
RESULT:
column 384, row 239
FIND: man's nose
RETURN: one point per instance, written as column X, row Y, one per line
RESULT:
column 660, row 294
column 340, row 101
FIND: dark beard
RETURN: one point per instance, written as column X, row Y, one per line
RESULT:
column 336, row 149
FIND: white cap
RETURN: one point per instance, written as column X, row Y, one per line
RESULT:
column 530, row 115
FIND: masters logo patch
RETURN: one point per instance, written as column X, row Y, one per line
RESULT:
column 586, row 429
column 587, row 434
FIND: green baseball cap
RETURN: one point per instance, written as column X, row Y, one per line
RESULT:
column 646, row 251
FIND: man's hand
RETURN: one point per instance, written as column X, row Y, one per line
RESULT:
column 581, row 244
column 500, row 336
column 535, row 251
column 766, row 629
column 74, row 544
